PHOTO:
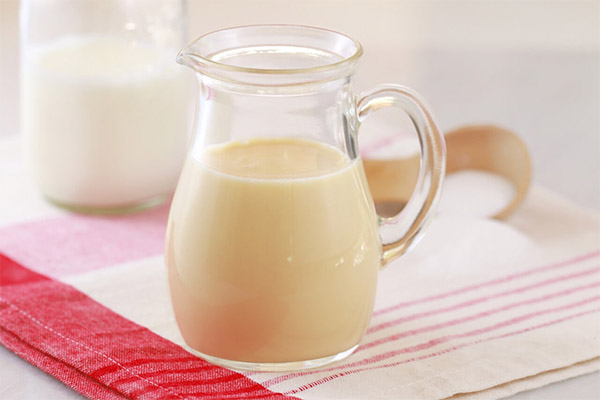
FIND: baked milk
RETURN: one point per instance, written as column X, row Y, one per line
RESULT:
column 105, row 123
column 272, row 251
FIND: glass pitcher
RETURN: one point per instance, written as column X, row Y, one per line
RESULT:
column 104, row 108
column 273, row 244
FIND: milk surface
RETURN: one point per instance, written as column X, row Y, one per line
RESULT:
column 272, row 251
column 105, row 123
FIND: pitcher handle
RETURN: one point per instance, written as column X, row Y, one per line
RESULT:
column 400, row 232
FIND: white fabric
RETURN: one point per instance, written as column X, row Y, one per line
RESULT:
column 455, row 253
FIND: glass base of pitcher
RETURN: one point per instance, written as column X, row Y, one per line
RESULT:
column 275, row 367
column 99, row 210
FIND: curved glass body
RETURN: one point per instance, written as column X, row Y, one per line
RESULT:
column 273, row 247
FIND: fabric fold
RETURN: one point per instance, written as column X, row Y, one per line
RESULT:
column 101, row 354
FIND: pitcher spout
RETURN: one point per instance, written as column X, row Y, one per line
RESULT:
column 189, row 58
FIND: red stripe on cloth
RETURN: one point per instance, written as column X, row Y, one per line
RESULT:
column 465, row 289
column 12, row 273
column 489, row 283
column 468, row 303
column 438, row 341
column 476, row 316
column 366, row 151
column 444, row 339
column 79, row 243
column 182, row 361
column 442, row 352
column 70, row 376
column 103, row 355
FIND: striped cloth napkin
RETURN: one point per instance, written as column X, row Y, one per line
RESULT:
column 479, row 309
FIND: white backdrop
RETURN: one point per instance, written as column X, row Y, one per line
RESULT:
column 533, row 66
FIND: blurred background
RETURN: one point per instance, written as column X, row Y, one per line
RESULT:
column 532, row 66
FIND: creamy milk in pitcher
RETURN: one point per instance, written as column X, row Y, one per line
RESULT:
column 273, row 244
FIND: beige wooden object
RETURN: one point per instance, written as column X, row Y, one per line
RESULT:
column 480, row 147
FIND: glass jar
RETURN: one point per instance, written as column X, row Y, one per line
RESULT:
column 104, row 106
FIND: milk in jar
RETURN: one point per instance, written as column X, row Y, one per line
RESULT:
column 105, row 122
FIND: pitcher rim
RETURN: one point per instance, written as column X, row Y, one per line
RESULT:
column 186, row 52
